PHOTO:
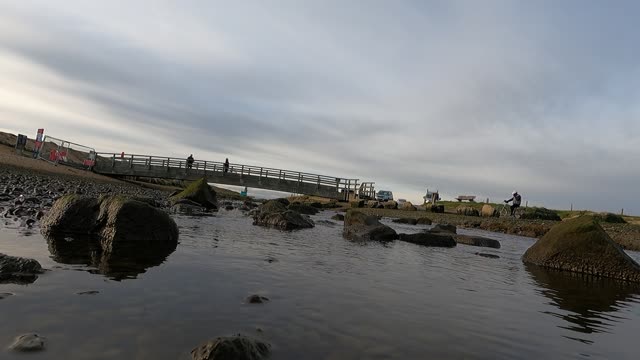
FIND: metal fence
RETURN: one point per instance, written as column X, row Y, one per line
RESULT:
column 65, row 152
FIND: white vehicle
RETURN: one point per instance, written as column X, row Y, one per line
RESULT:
column 384, row 195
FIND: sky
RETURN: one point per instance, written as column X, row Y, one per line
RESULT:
column 466, row 97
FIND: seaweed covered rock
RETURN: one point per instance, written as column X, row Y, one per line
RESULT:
column 424, row 221
column 429, row 239
column 581, row 245
column 231, row 348
column 18, row 270
column 409, row 221
column 275, row 214
column 477, row 241
column 303, row 208
column 199, row 192
column 114, row 219
column 358, row 226
column 540, row 213
column 467, row 210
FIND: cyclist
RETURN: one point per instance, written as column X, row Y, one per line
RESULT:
column 517, row 200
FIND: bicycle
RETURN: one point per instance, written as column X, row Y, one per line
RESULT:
column 505, row 211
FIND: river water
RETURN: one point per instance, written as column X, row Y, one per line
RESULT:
column 329, row 298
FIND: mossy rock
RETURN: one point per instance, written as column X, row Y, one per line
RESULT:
column 303, row 208
column 231, row 348
column 540, row 213
column 581, row 245
column 359, row 226
column 409, row 221
column 200, row 192
column 275, row 214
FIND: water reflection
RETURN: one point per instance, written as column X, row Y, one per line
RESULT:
column 590, row 301
column 123, row 262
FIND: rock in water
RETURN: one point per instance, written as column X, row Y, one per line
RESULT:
column 200, row 192
column 303, row 209
column 338, row 217
column 477, row 241
column 444, row 228
column 581, row 245
column 358, row 226
column 18, row 270
column 409, row 221
column 231, row 348
column 114, row 219
column 429, row 239
column 424, row 221
column 257, row 299
column 274, row 214
column 28, row 342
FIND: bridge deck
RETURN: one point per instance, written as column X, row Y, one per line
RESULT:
column 238, row 174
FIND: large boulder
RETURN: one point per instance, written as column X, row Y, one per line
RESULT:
column 231, row 348
column 18, row 270
column 437, row 208
column 357, row 204
column 429, row 239
column 199, row 192
column 467, row 210
column 488, row 211
column 275, row 214
column 114, row 220
column 372, row 204
column 358, row 226
column 303, row 208
column 408, row 206
column 477, row 241
column 581, row 245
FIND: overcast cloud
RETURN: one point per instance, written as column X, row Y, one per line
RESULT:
column 469, row 97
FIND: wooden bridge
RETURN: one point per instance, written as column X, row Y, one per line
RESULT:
column 238, row 174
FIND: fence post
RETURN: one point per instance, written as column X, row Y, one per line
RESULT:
column 622, row 212
column 205, row 168
column 149, row 162
column 260, row 177
column 168, row 166
column 318, row 182
column 113, row 161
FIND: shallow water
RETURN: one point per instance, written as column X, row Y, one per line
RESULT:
column 329, row 298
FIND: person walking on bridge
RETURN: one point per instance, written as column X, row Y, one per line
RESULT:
column 226, row 165
column 190, row 161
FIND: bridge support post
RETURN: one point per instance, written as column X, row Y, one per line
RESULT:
column 113, row 161
column 131, row 162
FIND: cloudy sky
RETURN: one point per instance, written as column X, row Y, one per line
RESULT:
column 468, row 97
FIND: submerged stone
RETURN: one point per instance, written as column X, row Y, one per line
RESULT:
column 18, row 270
column 477, row 241
column 275, row 214
column 429, row 239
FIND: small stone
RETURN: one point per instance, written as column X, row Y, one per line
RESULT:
column 257, row 299
column 90, row 292
column 490, row 256
column 28, row 342
column 5, row 295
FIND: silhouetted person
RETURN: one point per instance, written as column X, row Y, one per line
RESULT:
column 190, row 161
column 226, row 165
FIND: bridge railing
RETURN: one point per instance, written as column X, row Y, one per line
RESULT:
column 117, row 161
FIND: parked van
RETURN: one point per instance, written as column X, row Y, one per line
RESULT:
column 384, row 195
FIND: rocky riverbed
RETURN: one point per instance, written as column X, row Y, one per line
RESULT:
column 26, row 195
